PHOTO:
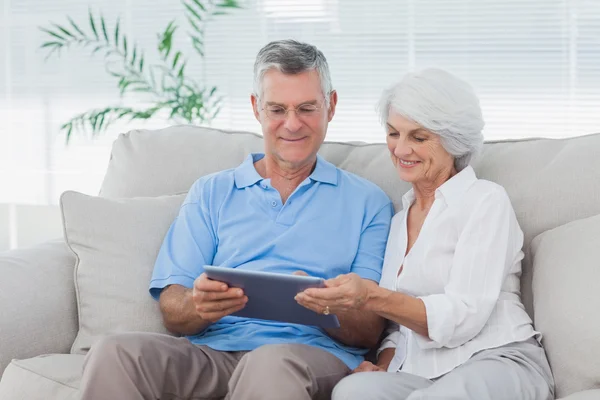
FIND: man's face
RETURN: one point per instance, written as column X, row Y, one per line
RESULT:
column 293, row 138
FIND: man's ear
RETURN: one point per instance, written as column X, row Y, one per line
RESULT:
column 255, row 105
column 333, row 98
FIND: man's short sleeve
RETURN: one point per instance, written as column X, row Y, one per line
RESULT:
column 189, row 244
column 368, row 262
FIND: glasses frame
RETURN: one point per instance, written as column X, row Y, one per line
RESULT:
column 284, row 116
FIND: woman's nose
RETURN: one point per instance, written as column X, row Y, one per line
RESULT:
column 402, row 149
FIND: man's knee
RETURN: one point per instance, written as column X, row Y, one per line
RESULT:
column 272, row 356
column 114, row 348
column 354, row 387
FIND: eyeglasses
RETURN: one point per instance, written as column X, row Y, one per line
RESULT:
column 279, row 113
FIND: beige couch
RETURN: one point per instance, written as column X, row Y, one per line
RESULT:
column 554, row 186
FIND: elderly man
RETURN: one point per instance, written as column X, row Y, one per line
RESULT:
column 283, row 211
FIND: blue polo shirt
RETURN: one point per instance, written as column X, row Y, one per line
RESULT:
column 334, row 223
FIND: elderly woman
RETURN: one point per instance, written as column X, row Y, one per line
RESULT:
column 450, row 280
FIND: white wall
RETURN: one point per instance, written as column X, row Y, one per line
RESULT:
column 32, row 224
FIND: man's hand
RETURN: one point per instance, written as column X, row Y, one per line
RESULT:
column 367, row 366
column 214, row 300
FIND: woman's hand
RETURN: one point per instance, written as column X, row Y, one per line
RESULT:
column 367, row 366
column 383, row 362
column 343, row 293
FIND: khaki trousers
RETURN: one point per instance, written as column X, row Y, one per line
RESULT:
column 136, row 366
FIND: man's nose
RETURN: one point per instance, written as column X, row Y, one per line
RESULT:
column 292, row 122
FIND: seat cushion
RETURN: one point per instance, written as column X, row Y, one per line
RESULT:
column 566, row 272
column 53, row 376
column 586, row 395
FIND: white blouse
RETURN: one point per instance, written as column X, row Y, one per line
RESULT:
column 465, row 266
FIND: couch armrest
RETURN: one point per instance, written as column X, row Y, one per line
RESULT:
column 38, row 312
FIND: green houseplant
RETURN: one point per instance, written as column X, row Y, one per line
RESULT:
column 165, row 85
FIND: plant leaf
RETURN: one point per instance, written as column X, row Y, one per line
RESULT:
column 117, row 31
column 125, row 45
column 141, row 65
column 49, row 32
column 63, row 30
column 195, row 26
column 93, row 25
column 97, row 49
column 192, row 11
column 52, row 44
column 104, row 28
column 228, row 4
column 200, row 5
column 177, row 56
column 75, row 26
column 101, row 122
column 215, row 113
column 198, row 45
column 134, row 56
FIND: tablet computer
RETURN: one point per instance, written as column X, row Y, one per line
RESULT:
column 271, row 295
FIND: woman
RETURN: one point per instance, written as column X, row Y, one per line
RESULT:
column 450, row 281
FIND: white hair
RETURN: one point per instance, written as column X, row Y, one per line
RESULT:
column 443, row 104
column 291, row 57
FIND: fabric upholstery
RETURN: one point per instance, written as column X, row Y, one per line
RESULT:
column 47, row 377
column 585, row 395
column 116, row 243
column 37, row 301
column 566, row 272
column 546, row 187
column 550, row 182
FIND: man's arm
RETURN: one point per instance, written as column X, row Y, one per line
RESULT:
column 189, row 311
column 358, row 328
column 179, row 312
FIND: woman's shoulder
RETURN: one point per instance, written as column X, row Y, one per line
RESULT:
column 486, row 193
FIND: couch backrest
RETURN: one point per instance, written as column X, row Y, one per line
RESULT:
column 550, row 181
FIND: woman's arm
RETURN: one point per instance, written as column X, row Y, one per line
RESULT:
column 488, row 247
column 399, row 307
column 385, row 358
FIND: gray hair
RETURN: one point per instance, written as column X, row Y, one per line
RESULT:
column 291, row 57
column 443, row 104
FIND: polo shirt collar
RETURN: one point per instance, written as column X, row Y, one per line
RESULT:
column 245, row 174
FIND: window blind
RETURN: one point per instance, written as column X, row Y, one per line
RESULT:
column 534, row 63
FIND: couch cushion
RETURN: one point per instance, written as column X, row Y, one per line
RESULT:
column 38, row 321
column 566, row 272
column 54, row 376
column 586, row 395
column 550, row 181
column 116, row 243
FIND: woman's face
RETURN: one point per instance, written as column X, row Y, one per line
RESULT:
column 417, row 153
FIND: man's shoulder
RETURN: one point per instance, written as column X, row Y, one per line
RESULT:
column 220, row 182
column 362, row 187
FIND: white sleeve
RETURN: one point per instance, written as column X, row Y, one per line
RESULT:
column 393, row 336
column 488, row 247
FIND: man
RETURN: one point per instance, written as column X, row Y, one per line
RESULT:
column 283, row 211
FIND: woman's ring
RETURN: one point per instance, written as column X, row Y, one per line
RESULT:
column 326, row 310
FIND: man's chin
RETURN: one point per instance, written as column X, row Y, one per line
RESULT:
column 296, row 157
